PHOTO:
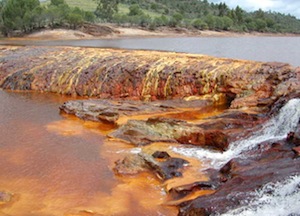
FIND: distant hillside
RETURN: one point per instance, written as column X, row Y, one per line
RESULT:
column 199, row 14
column 25, row 16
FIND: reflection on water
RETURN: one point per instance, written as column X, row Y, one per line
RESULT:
column 266, row 49
column 61, row 166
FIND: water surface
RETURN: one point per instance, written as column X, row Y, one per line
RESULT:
column 59, row 165
column 266, row 49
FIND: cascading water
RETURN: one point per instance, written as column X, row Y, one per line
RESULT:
column 276, row 199
column 275, row 129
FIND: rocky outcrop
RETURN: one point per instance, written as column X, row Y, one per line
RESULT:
column 170, row 130
column 144, row 75
column 164, row 168
column 109, row 111
column 215, row 132
column 239, row 177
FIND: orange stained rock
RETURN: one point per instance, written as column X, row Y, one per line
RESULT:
column 144, row 75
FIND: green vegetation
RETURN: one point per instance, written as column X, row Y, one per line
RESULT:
column 24, row 16
column 201, row 14
column 27, row 15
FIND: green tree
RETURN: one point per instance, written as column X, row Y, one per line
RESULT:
column 260, row 25
column 199, row 24
column 175, row 19
column 237, row 15
column 106, row 9
column 16, row 15
column 57, row 2
column 260, row 14
column 135, row 10
column 39, row 17
column 74, row 19
column 211, row 22
column 56, row 15
column 223, row 9
column 227, row 23
column 89, row 16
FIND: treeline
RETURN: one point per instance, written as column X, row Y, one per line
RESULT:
column 24, row 16
column 204, row 15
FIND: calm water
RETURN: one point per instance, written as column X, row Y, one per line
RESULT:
column 281, row 49
column 59, row 165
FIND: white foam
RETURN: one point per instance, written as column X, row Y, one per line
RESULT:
column 275, row 129
column 276, row 199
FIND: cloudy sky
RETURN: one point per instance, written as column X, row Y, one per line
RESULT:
column 283, row 6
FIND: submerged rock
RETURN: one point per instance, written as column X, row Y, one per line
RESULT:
column 5, row 197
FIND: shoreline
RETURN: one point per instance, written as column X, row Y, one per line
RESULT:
column 117, row 32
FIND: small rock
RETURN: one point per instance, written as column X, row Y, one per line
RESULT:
column 290, row 137
column 296, row 139
column 5, row 197
column 161, row 155
column 297, row 150
column 130, row 165
column 134, row 164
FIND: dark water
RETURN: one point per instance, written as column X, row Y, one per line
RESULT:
column 280, row 49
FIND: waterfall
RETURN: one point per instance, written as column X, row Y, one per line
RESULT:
column 275, row 129
column 276, row 199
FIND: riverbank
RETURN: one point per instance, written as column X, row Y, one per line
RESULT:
column 111, row 31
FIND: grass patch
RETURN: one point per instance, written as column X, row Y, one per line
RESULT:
column 86, row 5
column 90, row 5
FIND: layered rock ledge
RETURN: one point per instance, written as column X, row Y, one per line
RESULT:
column 144, row 75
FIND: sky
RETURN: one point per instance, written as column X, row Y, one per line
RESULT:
column 283, row 6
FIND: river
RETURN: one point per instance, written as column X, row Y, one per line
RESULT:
column 266, row 49
column 59, row 165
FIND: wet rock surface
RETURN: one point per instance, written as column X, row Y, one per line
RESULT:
column 144, row 75
column 166, row 168
column 169, row 130
column 214, row 133
column 110, row 111
column 239, row 177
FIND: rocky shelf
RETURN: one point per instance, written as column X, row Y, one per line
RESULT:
column 144, row 75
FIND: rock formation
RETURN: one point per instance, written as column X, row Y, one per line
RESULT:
column 239, row 177
column 144, row 75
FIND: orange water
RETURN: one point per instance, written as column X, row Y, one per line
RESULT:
column 58, row 165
